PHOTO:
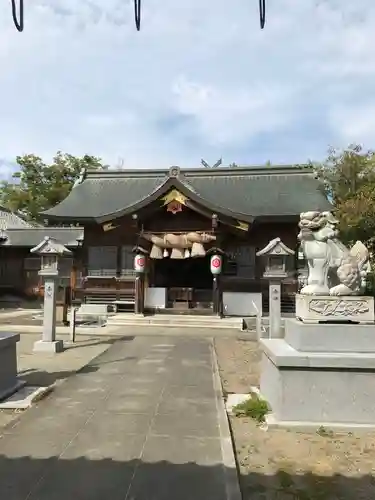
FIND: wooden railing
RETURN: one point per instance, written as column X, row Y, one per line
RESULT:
column 104, row 289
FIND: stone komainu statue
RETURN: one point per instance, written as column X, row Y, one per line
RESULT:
column 333, row 268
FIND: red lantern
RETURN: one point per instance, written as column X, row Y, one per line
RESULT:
column 216, row 264
column 139, row 263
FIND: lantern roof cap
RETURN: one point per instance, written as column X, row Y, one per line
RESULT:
column 50, row 246
column 275, row 247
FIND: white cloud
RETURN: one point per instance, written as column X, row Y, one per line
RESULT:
column 231, row 115
column 355, row 123
column 200, row 79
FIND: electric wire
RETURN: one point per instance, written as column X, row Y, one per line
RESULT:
column 18, row 20
column 262, row 13
column 137, row 14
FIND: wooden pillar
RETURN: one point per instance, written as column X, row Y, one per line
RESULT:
column 142, row 298
column 118, row 284
column 67, row 302
column 216, row 295
column 139, row 294
column 139, row 282
column 73, row 277
column 216, row 268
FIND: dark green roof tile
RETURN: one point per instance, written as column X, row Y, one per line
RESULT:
column 31, row 237
column 9, row 219
column 252, row 192
column 97, row 197
column 264, row 195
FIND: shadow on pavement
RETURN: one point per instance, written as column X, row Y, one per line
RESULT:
column 96, row 341
column 43, row 378
column 80, row 478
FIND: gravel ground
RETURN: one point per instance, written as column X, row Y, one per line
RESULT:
column 280, row 464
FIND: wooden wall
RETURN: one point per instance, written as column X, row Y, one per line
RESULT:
column 19, row 271
column 125, row 234
column 12, row 268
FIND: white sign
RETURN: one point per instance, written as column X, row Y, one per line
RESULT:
column 216, row 264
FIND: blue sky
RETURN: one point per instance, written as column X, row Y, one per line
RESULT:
column 199, row 80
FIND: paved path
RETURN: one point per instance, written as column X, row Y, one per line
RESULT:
column 140, row 422
column 43, row 369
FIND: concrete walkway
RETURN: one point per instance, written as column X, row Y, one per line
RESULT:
column 143, row 421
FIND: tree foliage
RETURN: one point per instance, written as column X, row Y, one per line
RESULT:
column 37, row 186
column 349, row 180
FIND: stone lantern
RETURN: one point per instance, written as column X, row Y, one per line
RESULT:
column 275, row 255
column 50, row 251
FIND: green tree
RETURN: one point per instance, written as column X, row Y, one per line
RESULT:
column 37, row 186
column 349, row 181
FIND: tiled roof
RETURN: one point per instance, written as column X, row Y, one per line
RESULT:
column 31, row 237
column 9, row 219
column 250, row 191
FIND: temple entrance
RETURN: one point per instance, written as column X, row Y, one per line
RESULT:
column 190, row 273
column 188, row 282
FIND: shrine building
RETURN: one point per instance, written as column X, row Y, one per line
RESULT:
column 176, row 220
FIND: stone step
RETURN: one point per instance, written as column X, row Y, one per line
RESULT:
column 265, row 320
column 130, row 319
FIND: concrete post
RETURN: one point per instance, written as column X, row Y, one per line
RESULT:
column 275, row 309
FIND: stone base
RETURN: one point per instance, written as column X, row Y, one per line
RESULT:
column 8, row 363
column 332, row 338
column 302, row 426
column 318, row 388
column 23, row 397
column 12, row 389
column 48, row 347
column 322, row 308
column 95, row 309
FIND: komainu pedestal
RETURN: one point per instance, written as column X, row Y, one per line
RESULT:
column 322, row 373
column 328, row 308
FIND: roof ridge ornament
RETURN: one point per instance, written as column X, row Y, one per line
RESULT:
column 215, row 165
column 81, row 177
column 174, row 171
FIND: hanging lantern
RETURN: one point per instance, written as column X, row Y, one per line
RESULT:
column 139, row 263
column 216, row 264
